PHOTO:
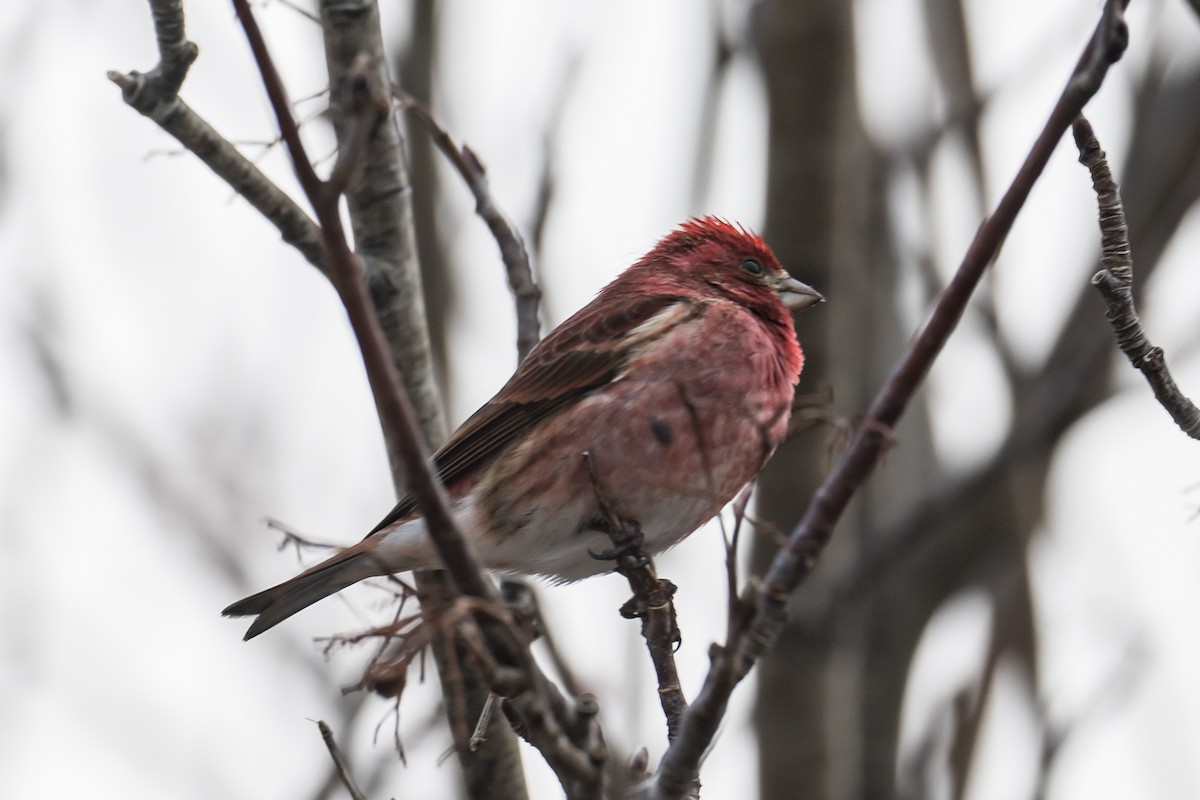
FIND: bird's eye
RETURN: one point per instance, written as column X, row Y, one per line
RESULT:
column 752, row 266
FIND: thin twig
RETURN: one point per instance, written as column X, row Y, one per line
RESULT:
column 339, row 762
column 294, row 538
column 766, row 602
column 740, row 504
column 513, row 252
column 1115, row 283
column 479, row 735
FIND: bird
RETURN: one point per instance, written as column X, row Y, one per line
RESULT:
column 657, row 402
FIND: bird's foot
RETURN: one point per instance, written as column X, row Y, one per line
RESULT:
column 651, row 599
column 628, row 548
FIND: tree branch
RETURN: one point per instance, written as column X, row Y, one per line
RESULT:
column 513, row 252
column 392, row 402
column 766, row 603
column 396, row 293
column 339, row 762
column 380, row 202
column 506, row 661
column 1115, row 283
column 177, row 53
column 526, row 293
column 155, row 94
column 651, row 602
column 380, row 205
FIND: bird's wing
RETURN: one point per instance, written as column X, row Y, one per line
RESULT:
column 579, row 356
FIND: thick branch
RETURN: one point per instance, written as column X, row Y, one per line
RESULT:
column 1115, row 283
column 380, row 204
column 794, row 563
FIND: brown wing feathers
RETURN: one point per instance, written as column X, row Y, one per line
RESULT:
column 579, row 356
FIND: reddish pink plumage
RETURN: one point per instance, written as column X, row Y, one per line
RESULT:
column 677, row 379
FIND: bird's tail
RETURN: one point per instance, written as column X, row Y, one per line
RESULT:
column 272, row 606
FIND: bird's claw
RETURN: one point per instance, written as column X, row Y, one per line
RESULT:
column 628, row 545
column 658, row 597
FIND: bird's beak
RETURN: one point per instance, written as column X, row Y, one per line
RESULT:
column 797, row 296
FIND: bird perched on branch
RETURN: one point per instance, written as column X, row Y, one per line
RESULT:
column 676, row 382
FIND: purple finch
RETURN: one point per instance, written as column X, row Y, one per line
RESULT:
column 676, row 382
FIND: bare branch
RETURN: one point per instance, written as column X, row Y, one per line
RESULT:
column 177, row 53
column 380, row 204
column 1115, row 283
column 362, row 123
column 391, row 400
column 339, row 762
column 155, row 94
column 766, row 603
column 525, row 291
column 512, row 248
column 651, row 602
column 572, row 738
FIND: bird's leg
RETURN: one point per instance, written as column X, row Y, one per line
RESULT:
column 651, row 594
column 626, row 534
column 651, row 602
column 627, row 550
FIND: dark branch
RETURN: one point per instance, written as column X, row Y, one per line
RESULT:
column 766, row 604
column 1115, row 283
column 567, row 755
column 522, row 599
